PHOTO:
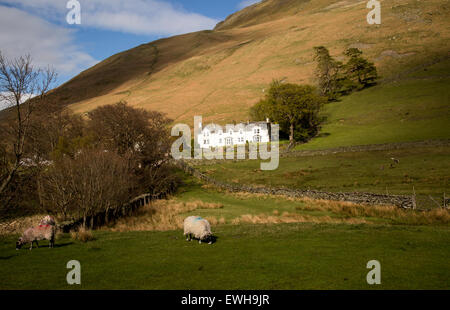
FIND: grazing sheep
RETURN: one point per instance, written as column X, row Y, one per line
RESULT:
column 35, row 234
column 199, row 228
column 396, row 161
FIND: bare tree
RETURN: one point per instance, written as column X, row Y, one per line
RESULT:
column 54, row 191
column 54, row 130
column 142, row 137
column 95, row 181
column 19, row 81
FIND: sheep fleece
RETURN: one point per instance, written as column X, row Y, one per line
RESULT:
column 197, row 226
column 39, row 233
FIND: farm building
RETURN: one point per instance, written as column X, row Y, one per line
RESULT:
column 213, row 135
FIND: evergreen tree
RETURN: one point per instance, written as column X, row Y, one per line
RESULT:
column 359, row 70
column 327, row 73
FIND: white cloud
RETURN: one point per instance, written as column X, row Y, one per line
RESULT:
column 148, row 17
column 3, row 103
column 39, row 27
column 48, row 44
column 6, row 99
column 246, row 3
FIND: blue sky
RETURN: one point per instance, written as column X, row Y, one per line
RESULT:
column 39, row 27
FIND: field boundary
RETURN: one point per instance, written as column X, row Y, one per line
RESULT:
column 98, row 219
column 367, row 148
column 405, row 202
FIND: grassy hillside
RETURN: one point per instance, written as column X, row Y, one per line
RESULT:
column 220, row 74
column 410, row 110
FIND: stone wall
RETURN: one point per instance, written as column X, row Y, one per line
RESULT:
column 368, row 148
column 406, row 202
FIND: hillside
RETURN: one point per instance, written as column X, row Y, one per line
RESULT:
column 220, row 74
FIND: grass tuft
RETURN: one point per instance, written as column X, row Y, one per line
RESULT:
column 82, row 235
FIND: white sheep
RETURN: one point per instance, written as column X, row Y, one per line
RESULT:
column 199, row 228
column 35, row 234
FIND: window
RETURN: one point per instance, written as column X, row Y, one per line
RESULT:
column 257, row 139
column 257, row 131
column 206, row 142
column 229, row 141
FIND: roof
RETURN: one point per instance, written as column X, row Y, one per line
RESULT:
column 246, row 126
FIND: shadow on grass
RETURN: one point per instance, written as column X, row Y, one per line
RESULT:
column 212, row 239
column 45, row 246
column 60, row 245
column 6, row 257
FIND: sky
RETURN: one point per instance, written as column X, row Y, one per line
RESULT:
column 40, row 28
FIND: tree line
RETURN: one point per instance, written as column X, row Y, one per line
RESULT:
column 75, row 166
column 296, row 108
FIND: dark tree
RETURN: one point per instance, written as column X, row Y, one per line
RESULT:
column 140, row 136
column 295, row 107
column 93, row 182
column 359, row 70
column 327, row 73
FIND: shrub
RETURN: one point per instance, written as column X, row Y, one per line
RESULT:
column 82, row 235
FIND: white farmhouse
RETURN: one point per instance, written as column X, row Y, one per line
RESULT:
column 213, row 135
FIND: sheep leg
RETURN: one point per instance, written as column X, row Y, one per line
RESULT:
column 31, row 247
column 37, row 244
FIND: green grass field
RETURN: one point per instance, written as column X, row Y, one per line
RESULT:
column 236, row 205
column 288, row 256
column 314, row 253
column 425, row 169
